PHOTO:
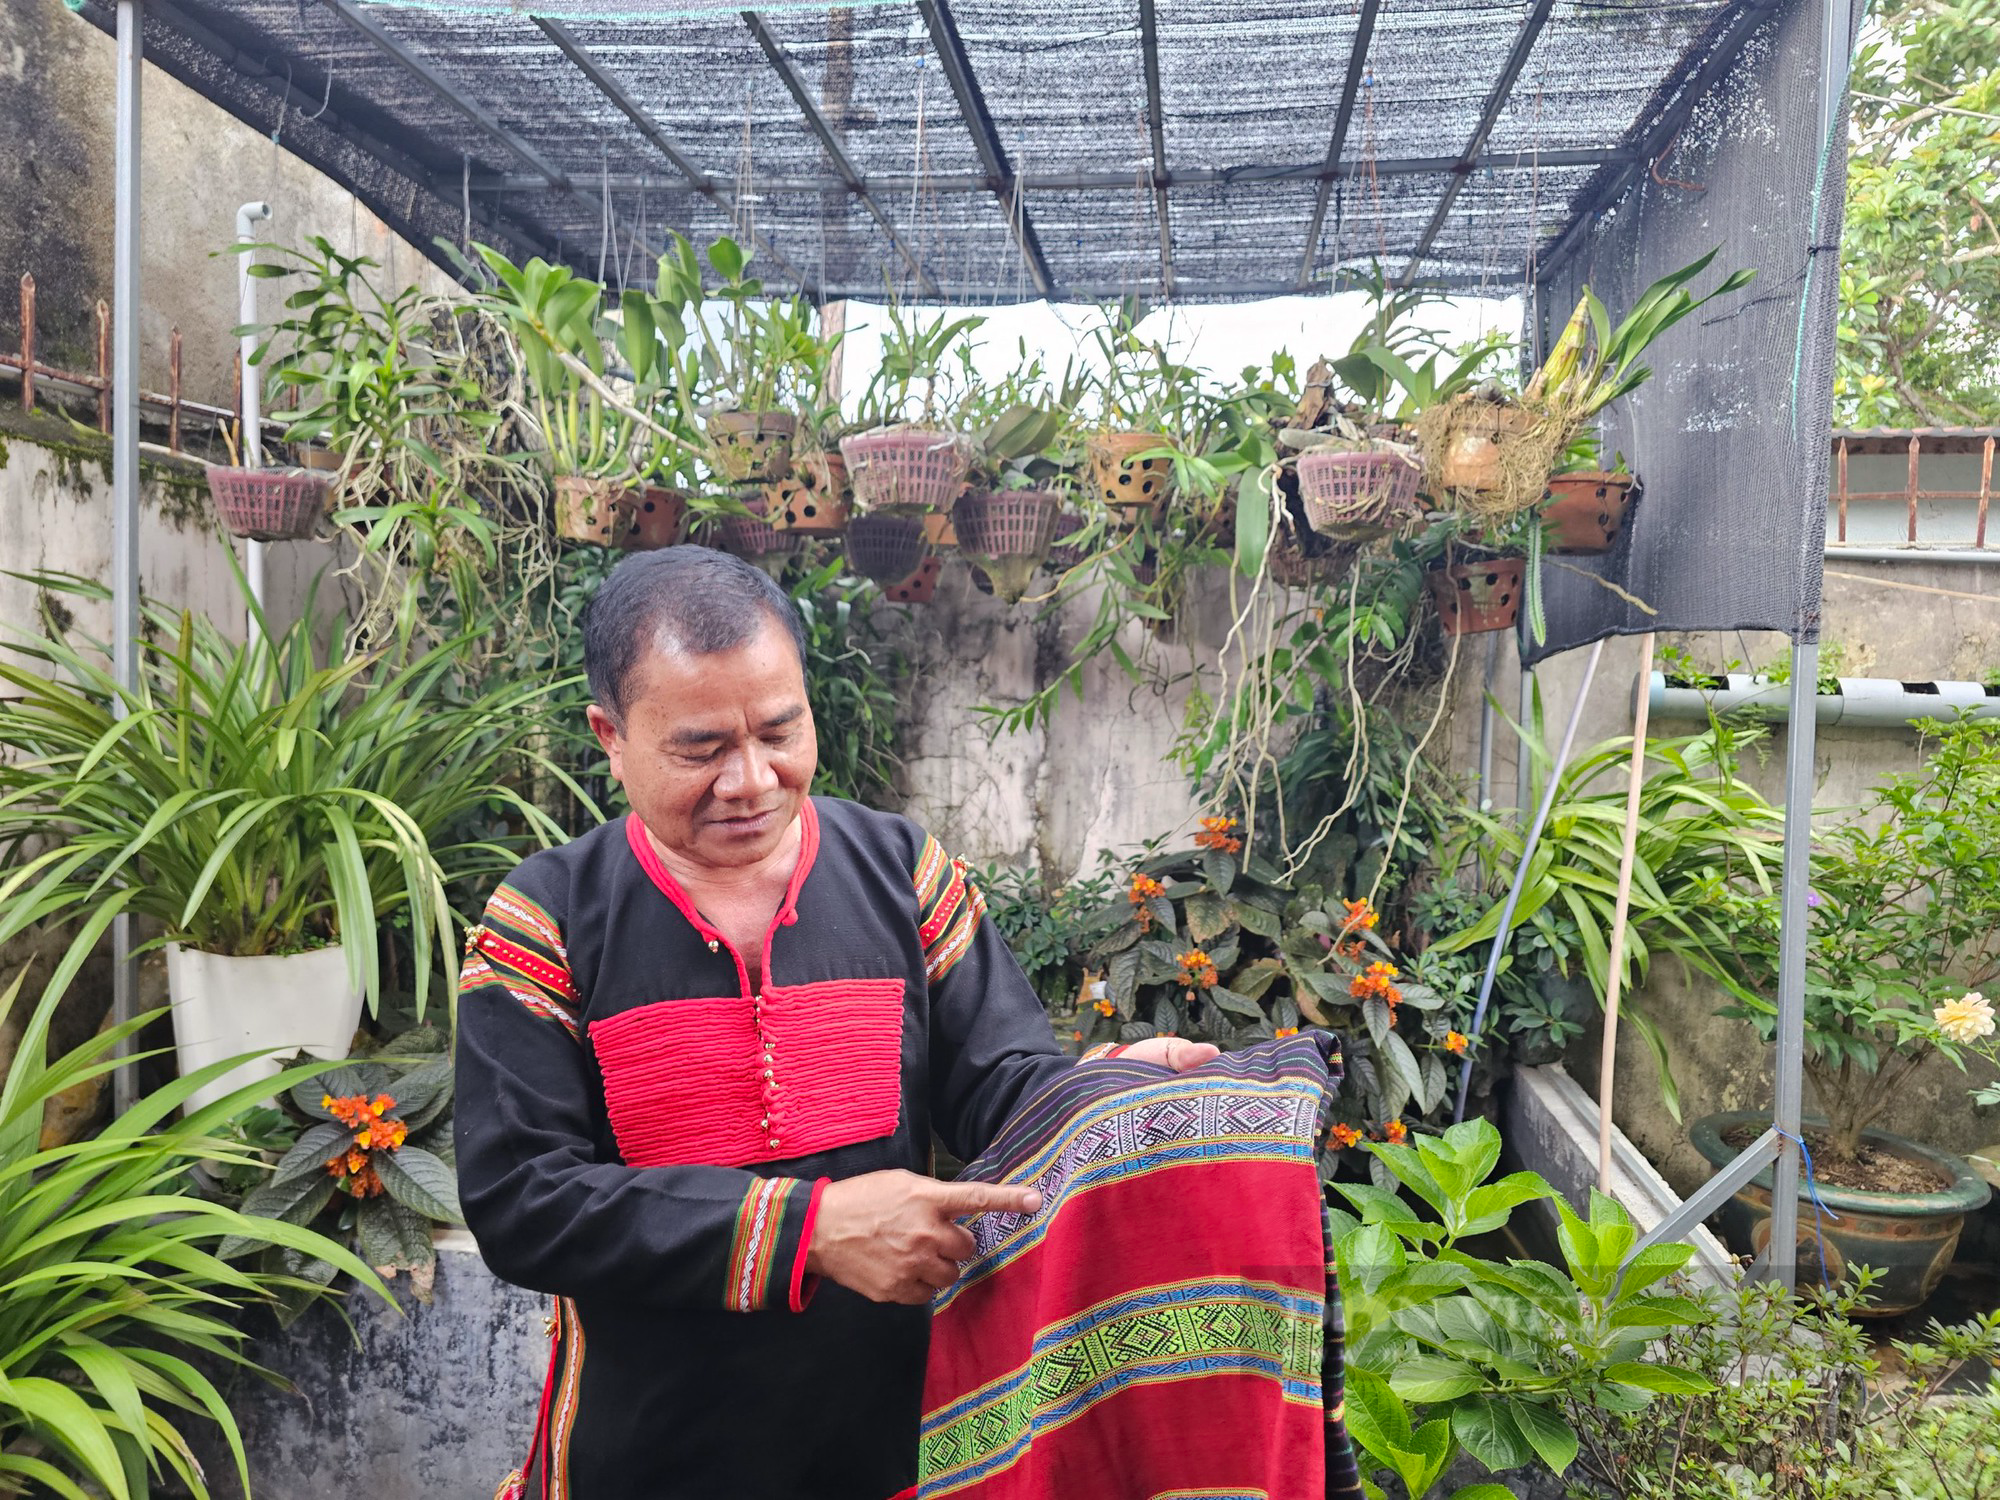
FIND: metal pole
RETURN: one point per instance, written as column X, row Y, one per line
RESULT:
column 125, row 470
column 1484, row 802
column 1528, row 844
column 253, row 398
column 1614, row 972
column 1522, row 765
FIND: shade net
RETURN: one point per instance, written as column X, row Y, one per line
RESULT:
column 1731, row 436
column 484, row 116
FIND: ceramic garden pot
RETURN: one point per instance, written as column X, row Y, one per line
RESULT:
column 656, row 516
column 920, row 587
column 1909, row 1236
column 1475, row 597
column 1585, row 511
column 1133, row 487
column 752, row 446
column 905, row 468
column 268, row 505
column 224, row 1006
column 812, row 499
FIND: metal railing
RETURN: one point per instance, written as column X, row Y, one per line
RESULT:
column 1916, row 442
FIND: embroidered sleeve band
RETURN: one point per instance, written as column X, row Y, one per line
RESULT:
column 773, row 1229
column 519, row 948
column 949, row 908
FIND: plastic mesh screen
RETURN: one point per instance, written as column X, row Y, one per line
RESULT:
column 1731, row 436
column 1249, row 92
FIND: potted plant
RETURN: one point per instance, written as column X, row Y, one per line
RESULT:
column 269, row 504
column 1904, row 904
column 1490, row 453
column 907, row 459
column 886, row 546
column 597, row 443
column 1151, row 408
column 1006, row 520
column 1586, row 508
column 740, row 524
column 919, row 586
column 272, row 814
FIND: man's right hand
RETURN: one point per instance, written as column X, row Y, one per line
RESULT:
column 890, row 1235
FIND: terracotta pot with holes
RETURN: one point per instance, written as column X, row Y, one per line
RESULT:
column 940, row 528
column 920, row 587
column 1475, row 597
column 813, row 499
column 1472, row 462
column 1133, row 487
column 752, row 445
column 656, row 519
column 593, row 510
column 1586, row 510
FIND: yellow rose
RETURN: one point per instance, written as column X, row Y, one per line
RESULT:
column 1965, row 1020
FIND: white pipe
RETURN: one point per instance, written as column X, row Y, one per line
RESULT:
column 1958, row 555
column 253, row 393
column 125, row 468
column 1862, row 702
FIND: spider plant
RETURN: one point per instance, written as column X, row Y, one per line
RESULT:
column 255, row 799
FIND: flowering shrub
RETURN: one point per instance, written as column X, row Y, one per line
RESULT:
column 1212, row 944
column 366, row 1156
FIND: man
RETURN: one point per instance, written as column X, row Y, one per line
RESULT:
column 701, row 1053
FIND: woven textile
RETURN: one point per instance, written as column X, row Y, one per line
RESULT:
column 1167, row 1323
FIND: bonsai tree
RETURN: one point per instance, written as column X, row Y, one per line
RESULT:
column 1904, row 919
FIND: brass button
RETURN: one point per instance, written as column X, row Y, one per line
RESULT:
column 767, row 1071
column 714, row 945
column 774, row 1143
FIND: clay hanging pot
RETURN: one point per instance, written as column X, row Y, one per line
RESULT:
column 813, row 498
column 1133, row 487
column 940, row 529
column 1475, row 597
column 905, row 468
column 752, row 445
column 656, row 519
column 268, row 505
column 1008, row 533
column 885, row 548
column 1357, row 497
column 1586, row 510
column 920, row 587
column 755, row 539
column 593, row 510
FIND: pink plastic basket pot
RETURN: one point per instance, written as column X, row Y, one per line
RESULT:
column 885, row 548
column 752, row 537
column 905, row 469
column 1344, row 491
column 268, row 505
column 1006, row 523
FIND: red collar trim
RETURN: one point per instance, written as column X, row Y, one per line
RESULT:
column 649, row 861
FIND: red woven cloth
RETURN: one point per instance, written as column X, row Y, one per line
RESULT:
column 1160, row 1329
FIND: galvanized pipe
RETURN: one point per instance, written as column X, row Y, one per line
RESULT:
column 253, row 399
column 124, row 396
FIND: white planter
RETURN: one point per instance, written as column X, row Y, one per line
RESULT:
column 225, row 1006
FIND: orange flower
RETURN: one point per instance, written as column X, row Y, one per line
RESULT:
column 1197, row 969
column 1345, row 1136
column 1105, row 1008
column 1285, row 1031
column 1076, row 1036
column 1395, row 1131
column 1455, row 1041
column 1144, row 889
column 1352, row 948
column 1377, row 982
column 1360, row 915
column 1216, row 834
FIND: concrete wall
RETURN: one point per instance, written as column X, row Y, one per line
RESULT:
column 57, row 97
column 1887, row 627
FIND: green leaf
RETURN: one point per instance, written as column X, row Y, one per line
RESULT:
column 419, row 1181
column 1487, row 1430
column 1427, row 1378
column 1220, row 867
column 1208, row 917
column 1665, row 1380
column 1553, row 1440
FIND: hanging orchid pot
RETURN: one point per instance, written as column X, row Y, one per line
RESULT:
column 1146, row 571
column 1476, row 597
column 656, row 519
column 1357, row 497
column 752, row 446
column 1586, row 511
column 885, row 548
column 755, row 539
column 812, row 499
column 905, row 468
column 1304, row 562
column 1133, row 487
column 1007, row 532
column 1487, row 458
column 593, row 510
column 920, row 587
column 268, row 505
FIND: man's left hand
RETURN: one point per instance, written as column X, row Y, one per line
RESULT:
column 1172, row 1052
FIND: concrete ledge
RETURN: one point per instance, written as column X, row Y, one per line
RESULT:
column 1550, row 1126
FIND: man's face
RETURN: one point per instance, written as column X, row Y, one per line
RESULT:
column 717, row 752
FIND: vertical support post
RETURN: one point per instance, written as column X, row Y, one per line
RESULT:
column 1910, row 489
column 103, row 366
column 1793, row 884
column 174, row 393
column 1841, row 495
column 27, row 341
column 1484, row 801
column 1614, row 974
column 1525, row 718
column 252, row 381
column 1985, row 492
column 124, row 390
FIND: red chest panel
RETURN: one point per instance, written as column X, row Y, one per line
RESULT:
column 730, row 1082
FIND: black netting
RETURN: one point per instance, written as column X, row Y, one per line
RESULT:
column 1731, row 436
column 1249, row 91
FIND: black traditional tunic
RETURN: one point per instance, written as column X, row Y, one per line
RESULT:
column 646, row 1138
